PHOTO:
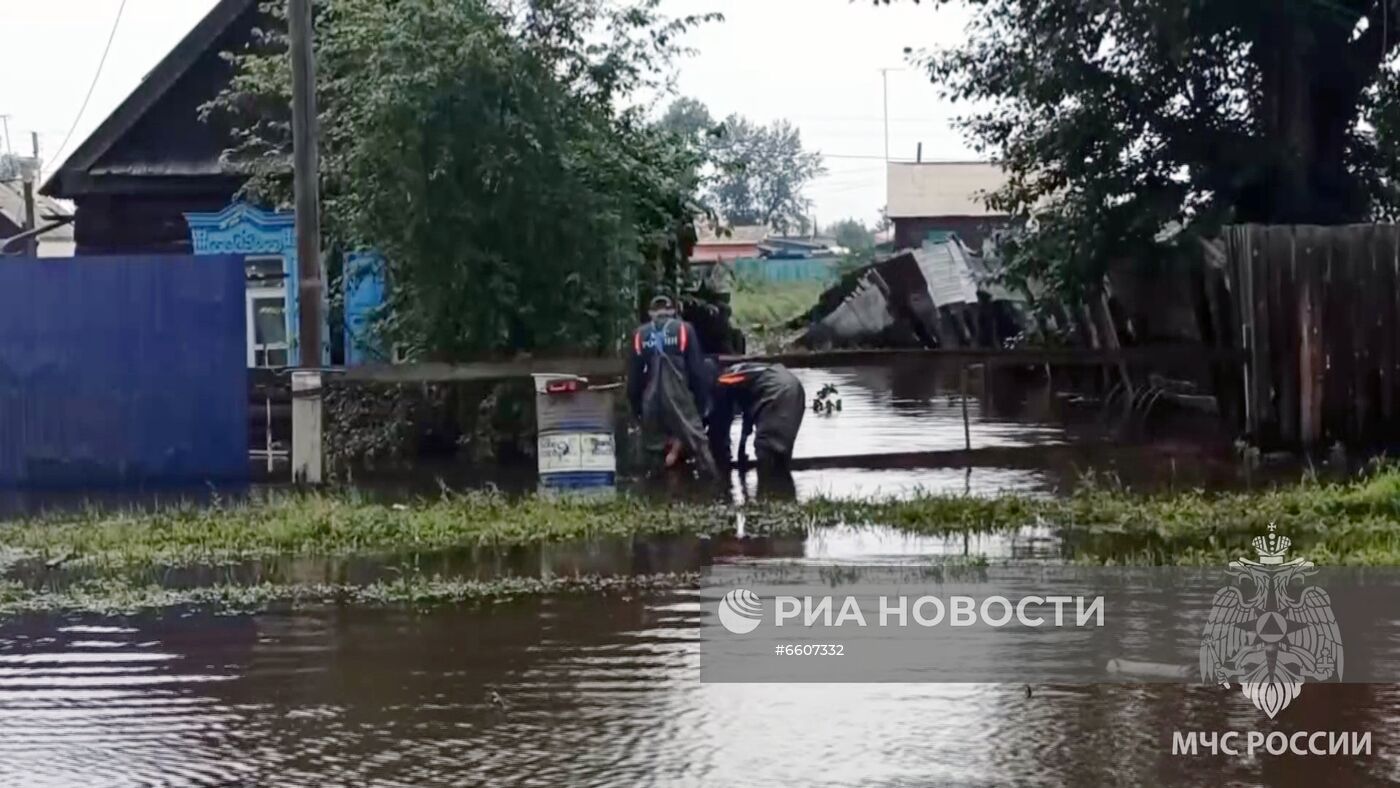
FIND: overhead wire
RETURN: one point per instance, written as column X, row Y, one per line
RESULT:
column 101, row 63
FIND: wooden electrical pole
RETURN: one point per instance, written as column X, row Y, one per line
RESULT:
column 306, row 382
column 306, row 175
column 31, row 172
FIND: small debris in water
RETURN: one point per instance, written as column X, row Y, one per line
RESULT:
column 57, row 562
column 499, row 703
column 823, row 402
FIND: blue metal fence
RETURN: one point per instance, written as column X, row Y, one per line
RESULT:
column 812, row 269
column 120, row 370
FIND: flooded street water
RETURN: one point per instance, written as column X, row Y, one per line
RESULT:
column 605, row 690
column 1025, row 438
column 903, row 411
column 579, row 691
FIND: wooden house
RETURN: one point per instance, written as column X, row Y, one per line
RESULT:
column 928, row 200
column 152, row 179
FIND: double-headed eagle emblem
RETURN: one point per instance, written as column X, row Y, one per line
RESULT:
column 1264, row 639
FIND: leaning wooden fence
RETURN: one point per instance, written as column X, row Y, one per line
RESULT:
column 1316, row 311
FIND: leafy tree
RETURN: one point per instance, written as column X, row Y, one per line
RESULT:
column 1117, row 119
column 883, row 224
column 485, row 148
column 852, row 234
column 757, row 173
column 761, row 172
column 688, row 117
column 14, row 167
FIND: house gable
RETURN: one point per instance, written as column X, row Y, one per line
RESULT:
column 155, row 141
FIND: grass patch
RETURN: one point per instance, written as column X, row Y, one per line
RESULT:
column 1334, row 523
column 113, row 596
column 762, row 309
column 334, row 525
column 1342, row 519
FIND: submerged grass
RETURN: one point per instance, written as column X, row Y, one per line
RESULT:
column 114, row 596
column 330, row 525
column 1352, row 522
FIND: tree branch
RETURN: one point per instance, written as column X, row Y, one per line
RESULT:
column 1369, row 50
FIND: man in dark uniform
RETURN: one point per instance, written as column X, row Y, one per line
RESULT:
column 772, row 403
column 669, row 388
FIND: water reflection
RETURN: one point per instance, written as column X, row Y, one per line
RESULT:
column 579, row 691
column 908, row 409
column 1029, row 440
column 854, row 545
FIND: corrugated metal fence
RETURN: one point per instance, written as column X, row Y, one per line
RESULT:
column 1317, row 313
column 813, row 269
column 118, row 370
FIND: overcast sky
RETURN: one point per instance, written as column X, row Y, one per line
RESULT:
column 815, row 62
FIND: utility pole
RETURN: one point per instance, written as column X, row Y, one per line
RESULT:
column 885, row 83
column 306, row 382
column 306, row 176
column 31, row 171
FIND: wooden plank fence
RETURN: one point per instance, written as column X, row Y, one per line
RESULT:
column 1316, row 311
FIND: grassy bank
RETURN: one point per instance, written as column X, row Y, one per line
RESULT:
column 772, row 303
column 1342, row 522
column 1357, row 522
column 762, row 309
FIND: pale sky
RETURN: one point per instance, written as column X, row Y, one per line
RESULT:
column 814, row 62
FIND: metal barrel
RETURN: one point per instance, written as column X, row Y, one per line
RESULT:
column 577, row 449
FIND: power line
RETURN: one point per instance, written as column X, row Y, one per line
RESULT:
column 857, row 156
column 819, row 119
column 93, row 85
column 844, row 188
column 862, row 168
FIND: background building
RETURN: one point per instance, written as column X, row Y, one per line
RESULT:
column 935, row 198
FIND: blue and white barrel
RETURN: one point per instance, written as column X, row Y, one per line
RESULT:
column 577, row 450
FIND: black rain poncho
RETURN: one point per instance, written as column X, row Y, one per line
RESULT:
column 771, row 401
column 668, row 388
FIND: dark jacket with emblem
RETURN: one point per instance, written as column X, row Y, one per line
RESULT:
column 668, row 385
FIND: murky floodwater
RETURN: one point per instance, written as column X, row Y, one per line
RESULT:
column 580, row 691
column 919, row 408
column 1028, row 439
column 606, row 691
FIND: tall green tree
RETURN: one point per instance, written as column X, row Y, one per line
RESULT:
column 688, row 117
column 487, row 149
column 757, row 172
column 1117, row 119
column 761, row 172
column 852, row 234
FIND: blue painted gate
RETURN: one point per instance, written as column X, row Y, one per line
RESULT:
column 120, row 370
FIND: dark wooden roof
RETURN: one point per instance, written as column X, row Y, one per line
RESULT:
column 154, row 141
